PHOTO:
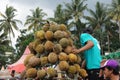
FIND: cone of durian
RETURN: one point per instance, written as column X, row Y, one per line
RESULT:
column 53, row 47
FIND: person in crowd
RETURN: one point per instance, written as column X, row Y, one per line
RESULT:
column 110, row 70
column 12, row 75
column 92, row 53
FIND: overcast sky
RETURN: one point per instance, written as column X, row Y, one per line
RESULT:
column 23, row 6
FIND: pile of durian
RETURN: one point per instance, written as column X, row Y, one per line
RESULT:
column 51, row 56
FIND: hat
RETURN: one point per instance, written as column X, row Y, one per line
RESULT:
column 111, row 63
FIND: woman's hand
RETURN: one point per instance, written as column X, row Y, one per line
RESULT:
column 75, row 51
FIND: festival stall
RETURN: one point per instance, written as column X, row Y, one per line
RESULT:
column 18, row 66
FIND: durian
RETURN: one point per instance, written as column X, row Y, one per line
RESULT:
column 31, row 73
column 57, row 48
column 39, row 48
column 49, row 45
column 41, row 73
column 58, row 34
column 72, row 69
column 49, row 35
column 52, row 57
column 64, row 42
column 62, row 27
column 63, row 65
column 51, row 72
column 27, row 59
column 44, row 60
column 68, row 49
column 83, row 72
column 40, row 35
column 63, row 56
column 72, row 58
column 34, row 61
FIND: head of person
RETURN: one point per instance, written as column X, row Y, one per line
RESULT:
column 88, row 30
column 13, row 73
column 110, row 67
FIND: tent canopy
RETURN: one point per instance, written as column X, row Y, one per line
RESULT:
column 19, row 65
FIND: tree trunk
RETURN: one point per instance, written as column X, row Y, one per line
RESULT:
column 10, row 39
column 108, row 43
column 119, row 29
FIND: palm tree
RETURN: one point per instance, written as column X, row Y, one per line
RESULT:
column 99, row 20
column 8, row 23
column 114, row 13
column 98, row 17
column 23, row 40
column 35, row 20
column 75, row 11
column 60, row 16
column 4, row 42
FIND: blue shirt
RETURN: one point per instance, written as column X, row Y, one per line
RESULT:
column 92, row 55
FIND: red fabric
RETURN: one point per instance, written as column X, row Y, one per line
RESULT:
column 19, row 65
column 18, row 68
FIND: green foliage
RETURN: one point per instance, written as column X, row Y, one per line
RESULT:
column 113, row 55
column 8, row 21
column 23, row 41
column 60, row 16
column 35, row 21
column 4, row 47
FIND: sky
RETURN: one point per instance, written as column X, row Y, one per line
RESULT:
column 48, row 6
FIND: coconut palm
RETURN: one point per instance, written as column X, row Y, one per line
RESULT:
column 36, row 19
column 97, row 18
column 7, row 22
column 4, row 42
column 60, row 16
column 100, row 22
column 75, row 10
column 114, row 13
